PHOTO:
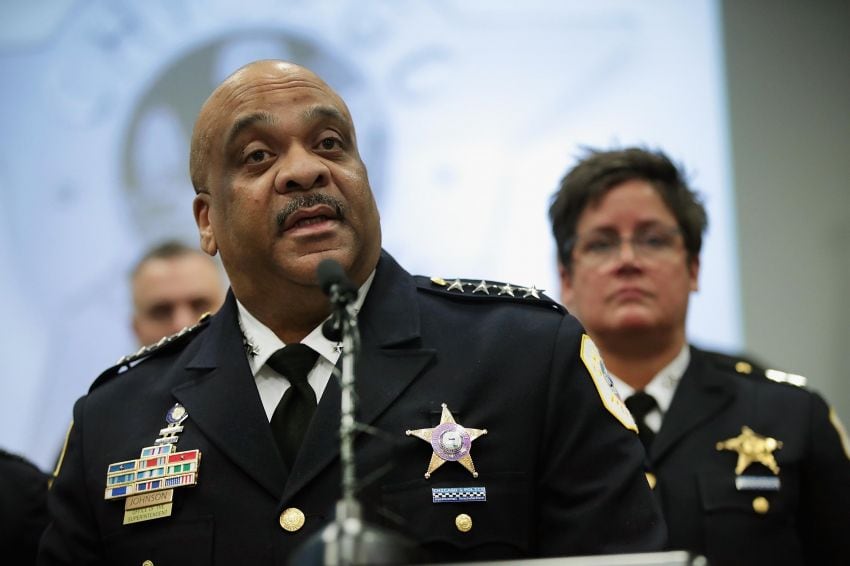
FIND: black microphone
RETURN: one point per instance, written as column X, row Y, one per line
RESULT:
column 332, row 329
column 334, row 282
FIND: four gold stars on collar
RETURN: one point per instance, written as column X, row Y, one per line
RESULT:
column 485, row 287
column 751, row 448
column 451, row 442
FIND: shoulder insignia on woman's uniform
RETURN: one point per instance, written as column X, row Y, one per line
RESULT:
column 751, row 368
column 783, row 377
column 486, row 290
column 746, row 368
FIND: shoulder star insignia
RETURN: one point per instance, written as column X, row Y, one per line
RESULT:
column 506, row 289
column 752, row 447
column 531, row 292
column 456, row 284
column 451, row 442
column 482, row 287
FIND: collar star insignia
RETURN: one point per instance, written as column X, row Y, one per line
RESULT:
column 456, row 284
column 751, row 448
column 482, row 287
column 531, row 292
column 338, row 347
column 251, row 349
column 451, row 442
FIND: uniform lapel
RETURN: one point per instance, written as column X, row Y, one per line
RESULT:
column 224, row 402
column 390, row 359
column 700, row 395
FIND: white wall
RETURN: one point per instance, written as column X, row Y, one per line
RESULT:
column 788, row 68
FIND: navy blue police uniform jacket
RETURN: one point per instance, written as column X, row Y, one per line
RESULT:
column 797, row 514
column 560, row 474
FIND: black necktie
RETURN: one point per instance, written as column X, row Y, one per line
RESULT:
column 295, row 409
column 641, row 404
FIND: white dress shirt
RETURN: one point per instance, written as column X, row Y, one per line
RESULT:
column 263, row 343
column 662, row 387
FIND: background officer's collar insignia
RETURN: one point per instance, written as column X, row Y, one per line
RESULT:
column 751, row 448
column 451, row 442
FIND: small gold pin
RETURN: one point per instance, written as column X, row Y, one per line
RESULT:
column 743, row 367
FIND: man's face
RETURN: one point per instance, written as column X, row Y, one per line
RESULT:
column 642, row 288
column 172, row 293
column 286, row 185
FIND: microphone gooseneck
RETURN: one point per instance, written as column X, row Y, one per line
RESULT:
column 348, row 540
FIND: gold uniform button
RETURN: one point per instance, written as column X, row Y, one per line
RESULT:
column 650, row 479
column 463, row 522
column 147, row 563
column 760, row 505
column 292, row 519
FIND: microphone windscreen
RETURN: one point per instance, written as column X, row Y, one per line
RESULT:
column 330, row 273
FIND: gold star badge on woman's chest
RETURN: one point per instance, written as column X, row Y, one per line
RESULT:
column 751, row 448
column 451, row 442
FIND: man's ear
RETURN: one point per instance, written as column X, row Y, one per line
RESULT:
column 693, row 273
column 201, row 209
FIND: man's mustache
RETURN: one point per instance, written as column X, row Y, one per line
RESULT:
column 306, row 201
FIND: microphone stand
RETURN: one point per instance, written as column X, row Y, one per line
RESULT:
column 348, row 540
column 348, row 513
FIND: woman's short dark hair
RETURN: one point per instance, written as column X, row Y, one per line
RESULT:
column 599, row 171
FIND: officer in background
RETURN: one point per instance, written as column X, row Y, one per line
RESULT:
column 749, row 470
column 499, row 435
column 23, row 509
column 172, row 286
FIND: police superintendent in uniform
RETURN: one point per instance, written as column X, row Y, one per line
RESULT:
column 749, row 470
column 535, row 456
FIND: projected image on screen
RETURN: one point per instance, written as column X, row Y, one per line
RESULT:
column 467, row 115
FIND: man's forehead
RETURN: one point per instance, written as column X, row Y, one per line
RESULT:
column 256, row 102
column 251, row 85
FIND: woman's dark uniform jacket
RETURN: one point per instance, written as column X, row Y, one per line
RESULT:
column 562, row 475
column 805, row 521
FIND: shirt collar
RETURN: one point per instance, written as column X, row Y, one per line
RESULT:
column 261, row 342
column 664, row 384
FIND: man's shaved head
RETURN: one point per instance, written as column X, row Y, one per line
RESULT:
column 227, row 93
